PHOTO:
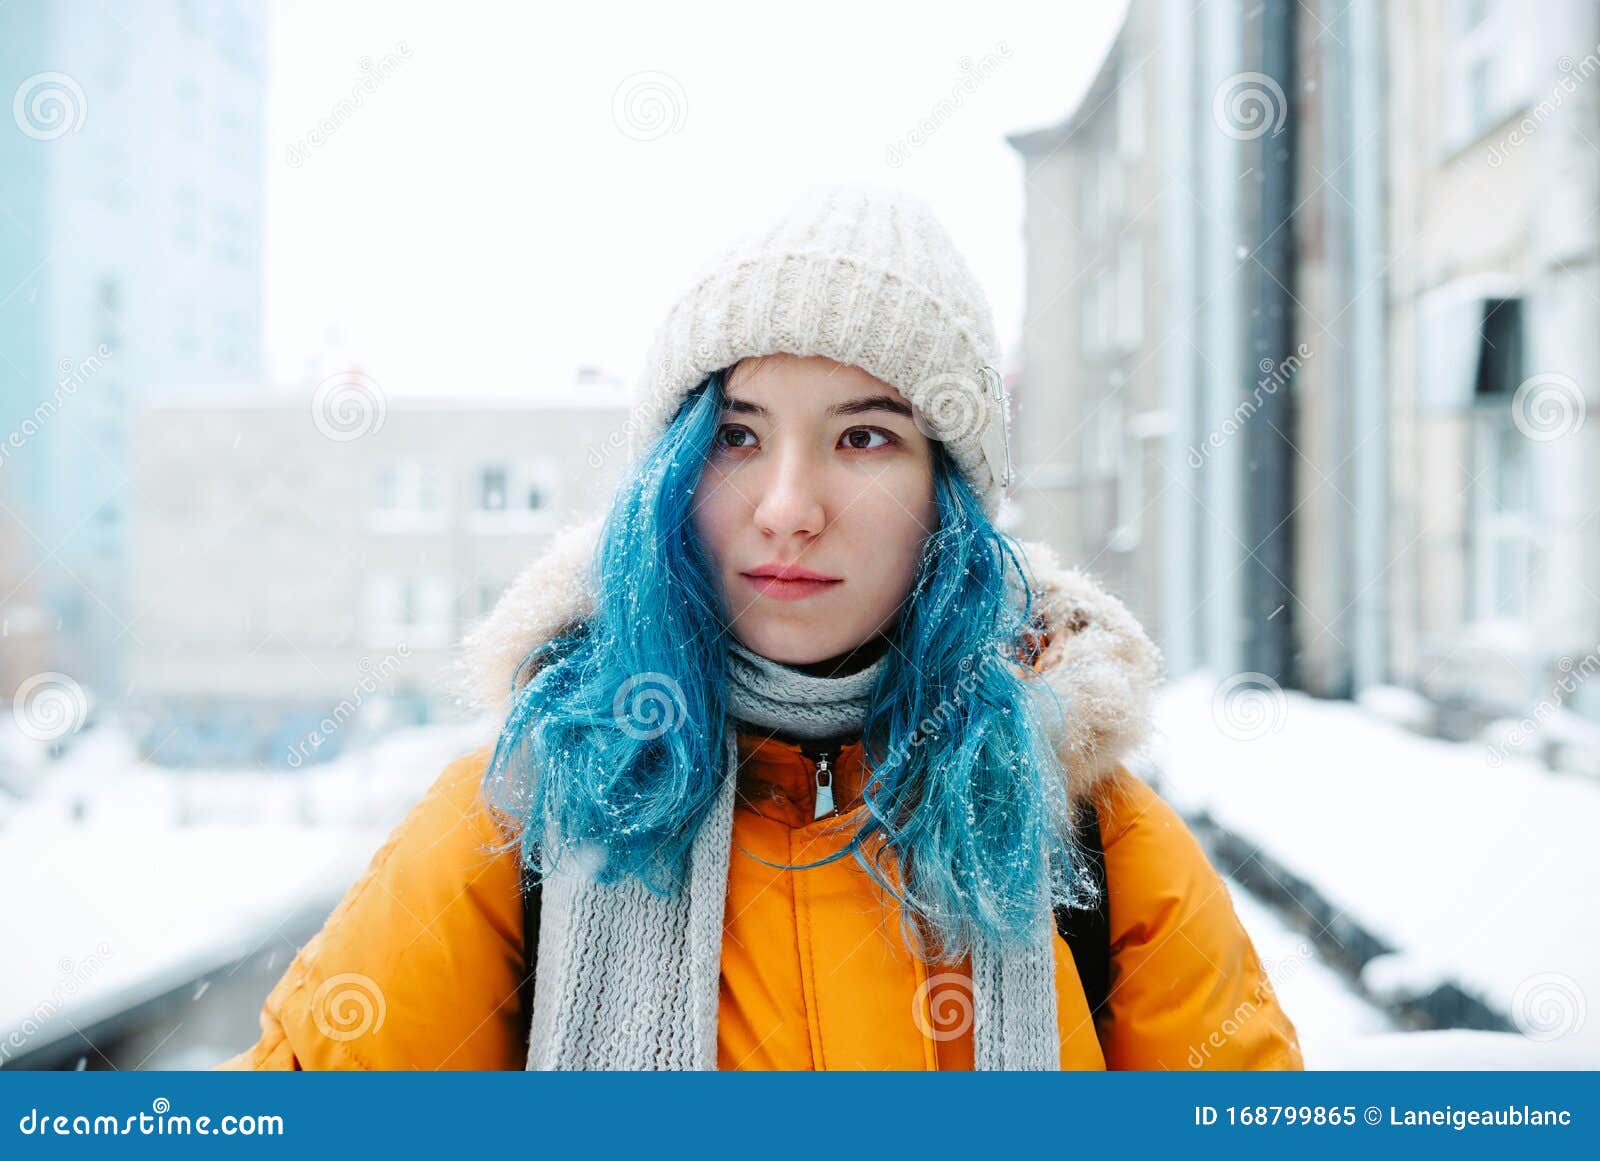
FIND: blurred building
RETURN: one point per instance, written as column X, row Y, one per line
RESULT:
column 1494, row 287
column 1139, row 209
column 132, row 181
column 1090, row 409
column 24, row 633
column 1306, row 365
column 304, row 560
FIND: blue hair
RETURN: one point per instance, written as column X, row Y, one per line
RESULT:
column 967, row 821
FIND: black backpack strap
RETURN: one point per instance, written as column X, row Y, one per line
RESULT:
column 1088, row 931
column 530, row 943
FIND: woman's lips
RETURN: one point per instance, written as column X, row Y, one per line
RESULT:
column 788, row 590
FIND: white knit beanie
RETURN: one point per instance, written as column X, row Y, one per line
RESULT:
column 867, row 276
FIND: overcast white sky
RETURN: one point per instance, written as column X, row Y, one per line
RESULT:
column 482, row 223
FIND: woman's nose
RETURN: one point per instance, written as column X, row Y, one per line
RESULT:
column 791, row 501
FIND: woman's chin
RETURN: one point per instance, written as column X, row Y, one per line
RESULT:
column 793, row 646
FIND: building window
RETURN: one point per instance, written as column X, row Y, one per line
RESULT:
column 189, row 109
column 410, row 610
column 1504, row 530
column 409, row 496
column 1089, row 320
column 1490, row 69
column 1110, row 170
column 1099, row 184
column 186, row 217
column 515, row 497
column 487, row 592
column 493, row 484
column 186, row 339
column 108, row 314
column 1499, row 371
column 1102, row 326
column 1130, row 115
column 1130, row 294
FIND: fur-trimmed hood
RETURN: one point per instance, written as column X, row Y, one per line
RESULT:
column 1096, row 656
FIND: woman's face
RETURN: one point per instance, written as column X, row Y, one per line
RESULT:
column 816, row 466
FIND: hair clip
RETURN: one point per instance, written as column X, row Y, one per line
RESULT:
column 996, row 433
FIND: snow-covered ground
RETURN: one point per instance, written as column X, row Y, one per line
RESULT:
column 124, row 880
column 1477, row 873
column 1323, row 1006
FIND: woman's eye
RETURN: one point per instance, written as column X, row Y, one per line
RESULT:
column 733, row 429
column 857, row 436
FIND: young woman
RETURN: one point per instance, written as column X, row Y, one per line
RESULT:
column 805, row 764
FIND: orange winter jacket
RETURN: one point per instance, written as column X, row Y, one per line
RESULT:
column 419, row 965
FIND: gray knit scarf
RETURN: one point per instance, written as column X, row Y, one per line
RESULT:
column 628, row 980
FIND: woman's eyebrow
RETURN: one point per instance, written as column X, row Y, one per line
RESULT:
column 849, row 407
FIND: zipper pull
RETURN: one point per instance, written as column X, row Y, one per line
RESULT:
column 824, row 780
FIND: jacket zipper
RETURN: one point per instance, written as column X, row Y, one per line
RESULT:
column 826, row 762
